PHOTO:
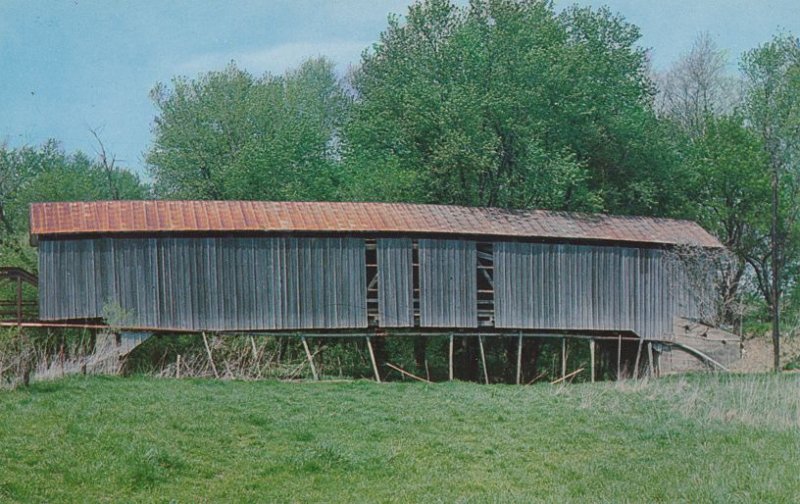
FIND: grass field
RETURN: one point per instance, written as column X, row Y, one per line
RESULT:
column 697, row 439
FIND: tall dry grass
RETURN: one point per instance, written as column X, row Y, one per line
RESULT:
column 760, row 400
column 23, row 361
column 228, row 357
column 765, row 400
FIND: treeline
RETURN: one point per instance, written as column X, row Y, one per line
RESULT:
column 504, row 103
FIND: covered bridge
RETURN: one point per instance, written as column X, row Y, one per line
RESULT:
column 246, row 266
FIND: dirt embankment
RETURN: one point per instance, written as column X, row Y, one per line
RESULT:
column 757, row 354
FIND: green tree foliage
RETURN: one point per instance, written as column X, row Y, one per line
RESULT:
column 772, row 76
column 17, row 169
column 228, row 135
column 507, row 103
column 727, row 186
column 737, row 134
column 772, row 107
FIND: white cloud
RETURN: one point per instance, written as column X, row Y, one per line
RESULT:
column 278, row 58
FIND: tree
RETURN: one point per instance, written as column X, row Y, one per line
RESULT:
column 76, row 177
column 772, row 75
column 507, row 103
column 723, row 177
column 698, row 87
column 727, row 184
column 47, row 173
column 17, row 168
column 228, row 135
column 108, row 163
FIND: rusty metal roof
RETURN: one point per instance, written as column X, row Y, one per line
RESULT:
column 103, row 217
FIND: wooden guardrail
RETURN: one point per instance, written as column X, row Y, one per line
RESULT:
column 18, row 309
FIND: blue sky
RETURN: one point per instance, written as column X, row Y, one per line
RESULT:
column 69, row 66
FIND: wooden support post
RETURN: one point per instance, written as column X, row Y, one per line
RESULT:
column 27, row 368
column 450, row 358
column 566, row 376
column 310, row 357
column 61, row 357
column 619, row 356
column 591, row 356
column 657, row 364
column 563, row 357
column 636, row 373
column 406, row 373
column 519, row 359
column 650, row 358
column 19, row 300
column 256, row 357
column 210, row 358
column 372, row 359
column 253, row 348
column 178, row 367
column 483, row 360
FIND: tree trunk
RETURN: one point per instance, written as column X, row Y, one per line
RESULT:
column 776, row 292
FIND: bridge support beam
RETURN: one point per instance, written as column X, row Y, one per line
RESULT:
column 450, row 358
column 483, row 360
column 372, row 359
column 310, row 358
column 519, row 359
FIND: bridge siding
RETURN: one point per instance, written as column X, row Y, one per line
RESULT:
column 273, row 283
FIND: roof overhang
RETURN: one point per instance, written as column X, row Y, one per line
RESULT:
column 159, row 217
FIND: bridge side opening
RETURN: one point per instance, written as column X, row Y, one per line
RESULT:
column 18, row 295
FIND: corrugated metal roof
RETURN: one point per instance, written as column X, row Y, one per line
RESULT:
column 70, row 218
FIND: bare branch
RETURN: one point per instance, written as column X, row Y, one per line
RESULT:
column 108, row 165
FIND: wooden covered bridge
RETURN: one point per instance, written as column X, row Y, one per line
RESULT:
column 361, row 269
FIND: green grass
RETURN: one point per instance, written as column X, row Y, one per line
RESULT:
column 701, row 439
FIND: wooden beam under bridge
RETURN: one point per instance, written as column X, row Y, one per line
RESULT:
column 322, row 333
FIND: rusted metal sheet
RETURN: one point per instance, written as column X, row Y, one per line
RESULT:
column 395, row 282
column 448, row 294
column 49, row 219
column 573, row 287
column 206, row 283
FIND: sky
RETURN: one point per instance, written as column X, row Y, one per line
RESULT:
column 71, row 66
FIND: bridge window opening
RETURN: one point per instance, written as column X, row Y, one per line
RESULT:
column 485, row 280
